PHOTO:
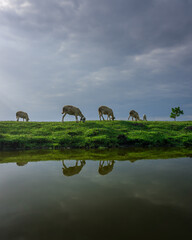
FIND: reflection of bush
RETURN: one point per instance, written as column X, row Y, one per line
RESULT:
column 188, row 143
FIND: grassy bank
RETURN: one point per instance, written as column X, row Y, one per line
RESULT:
column 93, row 134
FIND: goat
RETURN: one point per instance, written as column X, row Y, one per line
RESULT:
column 144, row 117
column 106, row 111
column 23, row 115
column 134, row 114
column 71, row 110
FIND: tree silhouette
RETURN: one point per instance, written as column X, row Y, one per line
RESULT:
column 176, row 112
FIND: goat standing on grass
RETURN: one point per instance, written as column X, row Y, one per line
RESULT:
column 23, row 115
column 106, row 111
column 71, row 110
column 144, row 117
column 135, row 115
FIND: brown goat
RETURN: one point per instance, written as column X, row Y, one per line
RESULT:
column 23, row 115
column 71, row 110
column 134, row 114
column 106, row 111
column 144, row 117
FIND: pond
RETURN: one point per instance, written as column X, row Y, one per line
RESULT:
column 94, row 199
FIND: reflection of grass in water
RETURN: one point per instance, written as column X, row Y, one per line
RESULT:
column 131, row 154
column 93, row 134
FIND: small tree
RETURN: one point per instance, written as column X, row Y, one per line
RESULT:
column 176, row 112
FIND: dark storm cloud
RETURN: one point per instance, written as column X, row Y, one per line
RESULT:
column 128, row 51
column 127, row 26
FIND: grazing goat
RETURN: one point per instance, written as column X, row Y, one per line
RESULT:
column 134, row 114
column 23, row 115
column 144, row 117
column 71, row 110
column 106, row 111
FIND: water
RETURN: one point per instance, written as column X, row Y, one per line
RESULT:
column 89, row 199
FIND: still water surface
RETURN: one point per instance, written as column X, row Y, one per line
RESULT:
column 89, row 199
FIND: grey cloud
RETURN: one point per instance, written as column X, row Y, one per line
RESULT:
column 118, row 24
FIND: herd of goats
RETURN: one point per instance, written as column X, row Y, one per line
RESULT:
column 71, row 110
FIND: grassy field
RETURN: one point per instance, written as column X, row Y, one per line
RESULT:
column 94, row 134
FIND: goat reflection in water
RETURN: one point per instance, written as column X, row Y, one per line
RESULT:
column 70, row 171
column 21, row 163
column 105, row 169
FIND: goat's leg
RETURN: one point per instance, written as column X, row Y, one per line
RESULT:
column 103, row 117
column 76, row 118
column 63, row 117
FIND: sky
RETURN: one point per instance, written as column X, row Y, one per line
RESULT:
column 125, row 54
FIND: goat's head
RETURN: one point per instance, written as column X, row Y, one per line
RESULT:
column 83, row 119
column 113, row 118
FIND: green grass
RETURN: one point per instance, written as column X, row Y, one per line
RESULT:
column 93, row 134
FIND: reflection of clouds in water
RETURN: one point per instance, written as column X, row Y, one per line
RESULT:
column 161, row 182
column 145, row 195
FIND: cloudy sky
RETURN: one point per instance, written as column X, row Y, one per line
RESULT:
column 126, row 54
